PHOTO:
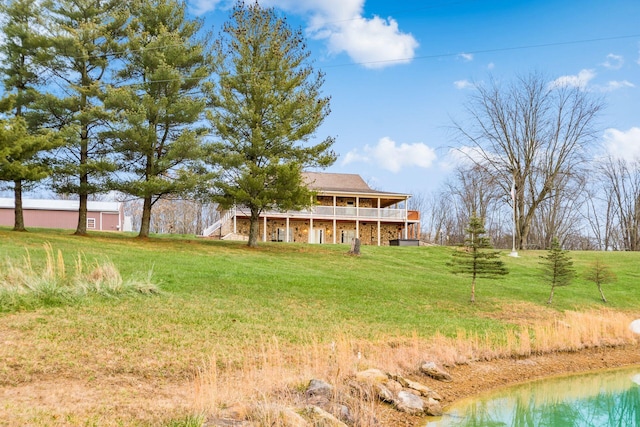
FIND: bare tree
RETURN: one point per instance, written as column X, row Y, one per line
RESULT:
column 475, row 192
column 621, row 181
column 560, row 214
column 437, row 225
column 174, row 216
column 530, row 132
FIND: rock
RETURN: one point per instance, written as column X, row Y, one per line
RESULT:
column 384, row 394
column 319, row 388
column 394, row 386
column 433, row 408
column 420, row 388
column 281, row 414
column 409, row 403
column 344, row 413
column 323, row 418
column 430, row 369
column 233, row 415
column 372, row 376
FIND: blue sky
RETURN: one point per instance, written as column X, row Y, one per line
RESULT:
column 399, row 71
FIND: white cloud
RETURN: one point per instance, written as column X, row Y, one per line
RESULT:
column 200, row 7
column 581, row 80
column 623, row 144
column 613, row 62
column 615, row 85
column 374, row 42
column 491, row 66
column 463, row 84
column 389, row 156
column 466, row 56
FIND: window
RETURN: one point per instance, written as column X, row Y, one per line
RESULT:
column 91, row 223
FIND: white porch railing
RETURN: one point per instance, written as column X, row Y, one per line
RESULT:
column 340, row 212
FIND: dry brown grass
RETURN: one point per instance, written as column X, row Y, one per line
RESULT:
column 279, row 374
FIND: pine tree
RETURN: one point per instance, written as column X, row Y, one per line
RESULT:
column 600, row 274
column 476, row 258
column 157, row 101
column 86, row 35
column 22, row 137
column 557, row 267
column 266, row 107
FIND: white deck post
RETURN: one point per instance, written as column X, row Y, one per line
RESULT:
column 406, row 219
column 334, row 220
column 379, row 215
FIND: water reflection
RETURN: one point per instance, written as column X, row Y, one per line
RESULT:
column 607, row 398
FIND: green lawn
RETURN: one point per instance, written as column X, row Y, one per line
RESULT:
column 221, row 296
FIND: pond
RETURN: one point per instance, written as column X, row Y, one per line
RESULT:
column 603, row 398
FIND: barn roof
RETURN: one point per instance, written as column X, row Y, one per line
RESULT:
column 59, row 205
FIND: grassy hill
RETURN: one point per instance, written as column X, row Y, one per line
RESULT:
column 220, row 301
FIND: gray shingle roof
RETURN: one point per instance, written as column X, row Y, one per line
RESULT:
column 336, row 182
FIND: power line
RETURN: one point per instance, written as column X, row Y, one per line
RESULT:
column 491, row 50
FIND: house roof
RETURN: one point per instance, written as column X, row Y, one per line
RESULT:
column 342, row 183
column 59, row 205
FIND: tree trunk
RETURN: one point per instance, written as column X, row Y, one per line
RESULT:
column 19, row 216
column 81, row 230
column 83, row 190
column 254, row 228
column 355, row 247
column 145, row 224
column 602, row 293
column 551, row 296
column 473, row 288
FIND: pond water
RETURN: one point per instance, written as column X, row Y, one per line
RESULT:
column 598, row 399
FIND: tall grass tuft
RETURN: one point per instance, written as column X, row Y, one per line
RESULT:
column 23, row 286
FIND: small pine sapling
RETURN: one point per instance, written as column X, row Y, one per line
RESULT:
column 557, row 267
column 475, row 258
column 600, row 274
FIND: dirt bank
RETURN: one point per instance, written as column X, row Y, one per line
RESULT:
column 478, row 377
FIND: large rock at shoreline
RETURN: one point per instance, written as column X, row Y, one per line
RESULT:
column 409, row 403
column 406, row 395
column 432, row 370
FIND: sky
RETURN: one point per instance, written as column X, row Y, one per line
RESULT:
column 399, row 72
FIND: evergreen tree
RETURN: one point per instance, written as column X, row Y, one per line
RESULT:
column 86, row 36
column 265, row 108
column 476, row 258
column 157, row 101
column 557, row 267
column 600, row 274
column 22, row 139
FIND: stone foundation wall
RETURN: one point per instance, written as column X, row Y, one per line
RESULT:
column 345, row 231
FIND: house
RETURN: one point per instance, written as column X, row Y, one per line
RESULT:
column 103, row 216
column 345, row 208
